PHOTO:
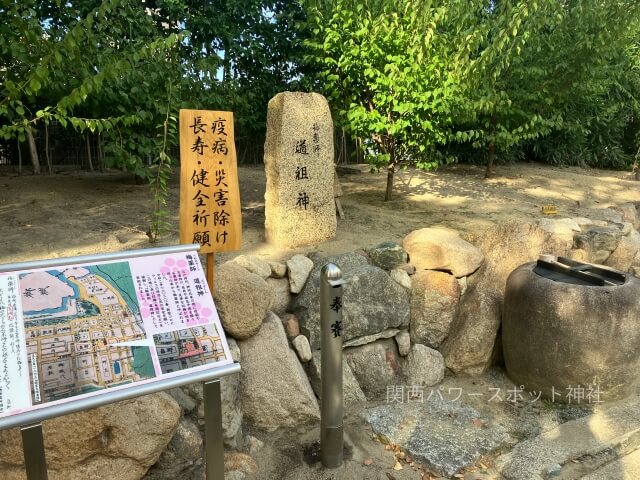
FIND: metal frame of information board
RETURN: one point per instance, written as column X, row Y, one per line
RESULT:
column 30, row 422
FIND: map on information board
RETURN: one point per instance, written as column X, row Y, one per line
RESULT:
column 78, row 330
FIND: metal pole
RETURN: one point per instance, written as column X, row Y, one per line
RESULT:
column 35, row 460
column 331, row 434
column 213, row 438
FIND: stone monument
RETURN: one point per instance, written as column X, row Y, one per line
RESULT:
column 298, row 158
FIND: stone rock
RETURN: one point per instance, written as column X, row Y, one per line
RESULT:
column 470, row 344
column 242, row 299
column 579, row 255
column 353, row 394
column 186, row 402
column 301, row 345
column 583, row 221
column 299, row 268
column 274, row 389
column 291, row 325
column 388, row 255
column 281, row 295
column 231, row 405
column 434, row 302
column 121, row 440
column 409, row 268
column 234, row 475
column 278, row 269
column 600, row 257
column 606, row 214
column 254, row 445
column 298, row 161
column 626, row 228
column 376, row 366
column 237, row 461
column 356, row 342
column 559, row 226
column 442, row 249
column 624, row 255
column 401, row 276
column 424, row 366
column 182, row 456
column 628, row 212
column 345, row 261
column 403, row 339
column 443, row 435
column 597, row 239
column 372, row 301
column 463, row 282
column 254, row 265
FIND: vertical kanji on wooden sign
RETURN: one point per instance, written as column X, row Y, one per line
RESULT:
column 210, row 212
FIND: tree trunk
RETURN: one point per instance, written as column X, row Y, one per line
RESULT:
column 35, row 161
column 89, row 153
column 46, row 148
column 391, row 169
column 491, row 150
column 100, row 153
column 19, row 157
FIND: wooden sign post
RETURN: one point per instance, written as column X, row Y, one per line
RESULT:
column 210, row 212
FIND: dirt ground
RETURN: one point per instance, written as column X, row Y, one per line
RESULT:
column 78, row 213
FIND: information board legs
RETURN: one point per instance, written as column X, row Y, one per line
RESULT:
column 213, row 439
column 35, row 460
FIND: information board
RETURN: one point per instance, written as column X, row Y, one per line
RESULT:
column 210, row 213
column 81, row 330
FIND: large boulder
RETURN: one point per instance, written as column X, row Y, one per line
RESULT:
column 254, row 265
column 353, row 394
column 372, row 301
column 274, row 388
column 388, row 255
column 376, row 366
column 242, row 299
column 182, row 457
column 434, row 302
column 470, row 344
column 424, row 366
column 442, row 249
column 623, row 257
column 230, row 394
column 121, row 440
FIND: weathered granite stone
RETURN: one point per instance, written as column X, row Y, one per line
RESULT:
column 254, row 265
column 186, row 402
column 401, row 276
column 403, row 339
column 443, row 435
column 628, row 212
column 624, row 255
column 424, row 366
column 271, row 372
column 434, row 303
column 230, row 394
column 281, row 295
column 242, row 298
column 376, row 366
column 299, row 268
column 470, row 344
column 388, row 255
column 298, row 159
column 291, row 325
column 241, row 462
column 121, row 440
column 278, row 269
column 353, row 394
column 182, row 456
column 372, row 301
column 579, row 255
column 301, row 345
column 442, row 249
column 356, row 342
column 596, row 239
